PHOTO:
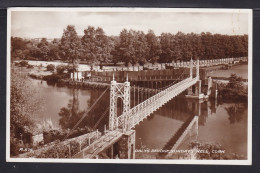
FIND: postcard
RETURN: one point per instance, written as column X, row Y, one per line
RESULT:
column 129, row 85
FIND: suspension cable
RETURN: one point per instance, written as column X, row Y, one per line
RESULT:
column 86, row 113
column 101, row 117
column 172, row 82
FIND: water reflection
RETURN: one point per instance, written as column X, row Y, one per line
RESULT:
column 181, row 108
column 213, row 119
column 224, row 123
column 71, row 114
column 236, row 112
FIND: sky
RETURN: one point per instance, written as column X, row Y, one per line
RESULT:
column 50, row 24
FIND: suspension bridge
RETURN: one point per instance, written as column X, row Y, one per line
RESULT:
column 122, row 126
column 120, row 130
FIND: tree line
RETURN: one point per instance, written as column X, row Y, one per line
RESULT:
column 130, row 47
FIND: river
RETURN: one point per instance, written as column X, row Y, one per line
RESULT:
column 224, row 123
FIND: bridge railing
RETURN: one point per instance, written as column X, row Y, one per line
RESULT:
column 142, row 110
column 210, row 62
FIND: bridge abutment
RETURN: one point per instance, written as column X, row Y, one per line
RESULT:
column 198, row 88
column 127, row 145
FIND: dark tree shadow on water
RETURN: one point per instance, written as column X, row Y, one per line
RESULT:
column 236, row 112
column 71, row 114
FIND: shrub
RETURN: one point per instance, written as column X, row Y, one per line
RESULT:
column 70, row 68
column 16, row 63
column 53, row 135
column 29, row 66
column 50, row 67
column 23, row 63
column 234, row 89
column 52, row 78
column 14, row 146
column 60, row 69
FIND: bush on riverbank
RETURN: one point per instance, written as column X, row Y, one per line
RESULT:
column 233, row 90
column 54, row 78
column 52, row 135
column 23, row 64
column 50, row 67
column 60, row 69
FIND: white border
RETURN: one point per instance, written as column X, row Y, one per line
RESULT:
column 139, row 161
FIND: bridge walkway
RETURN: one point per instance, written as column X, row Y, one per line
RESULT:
column 100, row 144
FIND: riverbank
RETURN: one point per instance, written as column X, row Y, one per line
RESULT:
column 239, row 69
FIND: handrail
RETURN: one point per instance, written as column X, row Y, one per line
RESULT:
column 157, row 100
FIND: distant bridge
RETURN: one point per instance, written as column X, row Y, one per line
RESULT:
column 153, row 75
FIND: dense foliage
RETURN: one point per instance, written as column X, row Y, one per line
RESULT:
column 55, row 134
column 234, row 89
column 50, row 67
column 24, row 104
column 131, row 46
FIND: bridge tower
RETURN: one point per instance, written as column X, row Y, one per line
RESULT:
column 118, row 90
column 191, row 68
column 198, row 85
column 198, row 69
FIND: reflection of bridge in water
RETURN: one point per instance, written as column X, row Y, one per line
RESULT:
column 120, row 131
column 181, row 108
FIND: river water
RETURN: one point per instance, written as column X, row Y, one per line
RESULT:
column 221, row 123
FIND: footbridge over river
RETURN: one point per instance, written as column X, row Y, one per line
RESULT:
column 121, row 127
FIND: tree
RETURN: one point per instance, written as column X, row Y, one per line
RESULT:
column 25, row 103
column 96, row 45
column 167, row 51
column 207, row 44
column 234, row 89
column 235, row 82
column 124, row 50
column 54, row 50
column 154, row 47
column 131, row 48
column 70, row 46
column 103, row 47
column 18, row 46
column 141, row 47
column 44, row 49
column 89, row 45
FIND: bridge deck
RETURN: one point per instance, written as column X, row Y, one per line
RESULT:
column 100, row 144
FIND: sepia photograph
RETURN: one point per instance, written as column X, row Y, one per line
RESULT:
column 129, row 85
